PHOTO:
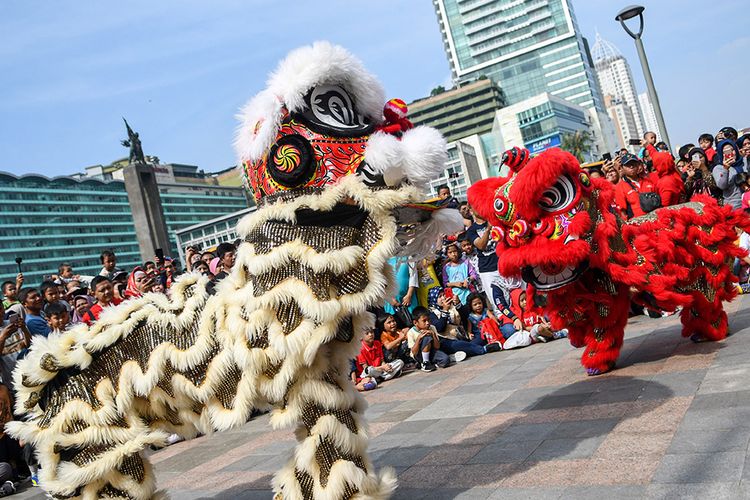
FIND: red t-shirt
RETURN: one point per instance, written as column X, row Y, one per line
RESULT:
column 625, row 194
column 92, row 315
column 370, row 355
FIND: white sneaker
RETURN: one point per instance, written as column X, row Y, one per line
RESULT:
column 174, row 438
column 457, row 357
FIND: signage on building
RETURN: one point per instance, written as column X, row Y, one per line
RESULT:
column 164, row 174
column 537, row 147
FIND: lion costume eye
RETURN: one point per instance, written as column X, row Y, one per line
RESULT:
column 561, row 195
column 500, row 206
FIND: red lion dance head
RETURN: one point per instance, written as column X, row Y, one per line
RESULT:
column 556, row 228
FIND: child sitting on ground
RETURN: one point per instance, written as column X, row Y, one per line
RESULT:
column 483, row 323
column 393, row 338
column 424, row 342
column 370, row 360
column 447, row 322
column 533, row 320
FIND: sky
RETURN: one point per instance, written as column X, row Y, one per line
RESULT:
column 179, row 70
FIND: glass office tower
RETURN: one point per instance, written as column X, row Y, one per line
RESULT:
column 527, row 47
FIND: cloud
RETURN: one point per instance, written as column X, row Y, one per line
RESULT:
column 734, row 47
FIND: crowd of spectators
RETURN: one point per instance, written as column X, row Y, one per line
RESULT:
column 66, row 299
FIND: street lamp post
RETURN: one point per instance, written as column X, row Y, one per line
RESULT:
column 629, row 13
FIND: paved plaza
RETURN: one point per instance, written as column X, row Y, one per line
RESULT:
column 673, row 421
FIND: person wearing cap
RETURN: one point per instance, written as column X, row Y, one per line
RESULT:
column 634, row 181
column 725, row 133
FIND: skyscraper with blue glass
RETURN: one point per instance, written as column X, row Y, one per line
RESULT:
column 527, row 47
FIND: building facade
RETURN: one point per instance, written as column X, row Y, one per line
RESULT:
column 616, row 80
column 462, row 169
column 49, row 221
column 207, row 235
column 527, row 47
column 649, row 116
column 534, row 52
column 541, row 122
column 623, row 119
column 465, row 113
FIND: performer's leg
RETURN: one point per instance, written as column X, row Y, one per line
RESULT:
column 704, row 319
column 331, row 459
column 604, row 336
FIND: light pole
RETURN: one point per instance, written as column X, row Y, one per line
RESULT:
column 629, row 13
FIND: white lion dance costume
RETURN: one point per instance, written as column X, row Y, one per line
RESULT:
column 336, row 184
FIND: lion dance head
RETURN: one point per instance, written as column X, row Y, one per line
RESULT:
column 322, row 140
column 544, row 215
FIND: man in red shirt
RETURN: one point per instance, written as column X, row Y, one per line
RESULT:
column 370, row 360
column 104, row 294
column 634, row 182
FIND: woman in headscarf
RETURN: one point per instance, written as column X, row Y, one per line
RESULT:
column 729, row 164
column 698, row 178
column 81, row 304
column 138, row 283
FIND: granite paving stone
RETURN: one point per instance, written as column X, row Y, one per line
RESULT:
column 566, row 448
column 701, row 468
column 672, row 422
column 709, row 441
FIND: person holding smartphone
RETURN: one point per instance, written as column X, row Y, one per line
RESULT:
column 698, row 177
column 729, row 165
column 14, row 340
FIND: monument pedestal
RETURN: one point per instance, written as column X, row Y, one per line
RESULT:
column 148, row 215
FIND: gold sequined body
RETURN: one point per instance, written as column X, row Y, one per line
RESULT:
column 277, row 334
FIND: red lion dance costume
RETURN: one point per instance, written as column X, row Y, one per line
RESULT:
column 555, row 226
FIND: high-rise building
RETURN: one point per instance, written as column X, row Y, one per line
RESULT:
column 527, row 47
column 461, row 170
column 649, row 116
column 616, row 80
column 623, row 119
column 72, row 219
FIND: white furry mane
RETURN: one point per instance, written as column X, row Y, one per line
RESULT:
column 301, row 70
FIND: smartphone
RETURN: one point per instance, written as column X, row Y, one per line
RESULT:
column 449, row 293
column 12, row 317
column 159, row 255
column 634, row 142
column 607, row 157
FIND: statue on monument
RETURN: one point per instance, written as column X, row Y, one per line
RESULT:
column 134, row 143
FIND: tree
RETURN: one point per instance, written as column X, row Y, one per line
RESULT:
column 577, row 144
column 437, row 90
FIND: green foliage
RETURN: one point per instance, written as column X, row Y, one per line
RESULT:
column 577, row 144
column 437, row 90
